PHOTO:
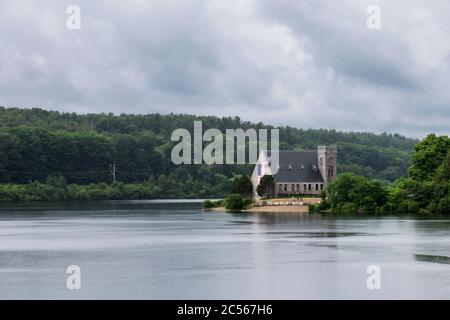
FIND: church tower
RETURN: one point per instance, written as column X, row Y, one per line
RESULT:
column 327, row 162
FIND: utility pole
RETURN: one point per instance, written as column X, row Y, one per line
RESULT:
column 112, row 169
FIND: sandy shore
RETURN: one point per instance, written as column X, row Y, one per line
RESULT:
column 296, row 209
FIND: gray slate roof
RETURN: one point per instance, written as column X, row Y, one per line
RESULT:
column 297, row 160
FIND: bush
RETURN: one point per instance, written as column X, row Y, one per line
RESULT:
column 208, row 204
column 323, row 205
column 237, row 202
column 312, row 207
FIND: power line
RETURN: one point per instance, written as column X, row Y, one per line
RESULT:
column 77, row 172
column 53, row 172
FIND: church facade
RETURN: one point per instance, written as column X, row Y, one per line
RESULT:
column 299, row 172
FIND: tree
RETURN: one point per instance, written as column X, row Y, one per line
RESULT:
column 428, row 156
column 266, row 186
column 242, row 185
column 361, row 193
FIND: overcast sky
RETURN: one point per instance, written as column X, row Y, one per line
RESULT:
column 304, row 63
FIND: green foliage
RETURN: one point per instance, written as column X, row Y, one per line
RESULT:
column 366, row 195
column 55, row 189
column 443, row 172
column 266, row 186
column 322, row 206
column 36, row 143
column 313, row 207
column 425, row 190
column 242, row 185
column 237, row 202
column 444, row 205
column 345, row 208
column 208, row 204
column 428, row 155
column 47, row 155
column 408, row 206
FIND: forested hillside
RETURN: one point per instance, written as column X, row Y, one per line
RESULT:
column 36, row 144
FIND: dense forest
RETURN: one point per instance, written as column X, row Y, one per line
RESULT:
column 41, row 150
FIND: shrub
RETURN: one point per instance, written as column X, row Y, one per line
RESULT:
column 208, row 204
column 323, row 205
column 237, row 202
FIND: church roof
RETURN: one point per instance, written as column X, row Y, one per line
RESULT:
column 298, row 166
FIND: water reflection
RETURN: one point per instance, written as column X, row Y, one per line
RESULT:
column 432, row 258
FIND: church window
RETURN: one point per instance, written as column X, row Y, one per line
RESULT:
column 330, row 171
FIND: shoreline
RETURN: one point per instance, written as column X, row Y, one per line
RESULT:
column 276, row 205
column 267, row 209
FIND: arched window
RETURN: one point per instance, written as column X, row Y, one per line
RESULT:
column 330, row 171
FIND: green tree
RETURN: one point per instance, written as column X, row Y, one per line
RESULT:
column 242, row 185
column 428, row 156
column 363, row 194
column 266, row 186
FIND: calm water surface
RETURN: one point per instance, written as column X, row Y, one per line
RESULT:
column 160, row 250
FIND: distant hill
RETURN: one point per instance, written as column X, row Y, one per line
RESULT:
column 36, row 143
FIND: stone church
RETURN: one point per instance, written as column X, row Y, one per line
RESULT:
column 299, row 172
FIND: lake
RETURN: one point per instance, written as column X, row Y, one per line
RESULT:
column 174, row 250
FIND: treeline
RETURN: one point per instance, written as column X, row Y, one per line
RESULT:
column 36, row 144
column 177, row 185
column 425, row 190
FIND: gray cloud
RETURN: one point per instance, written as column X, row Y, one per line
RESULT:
column 309, row 63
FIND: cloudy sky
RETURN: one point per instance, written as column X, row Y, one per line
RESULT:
column 305, row 63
